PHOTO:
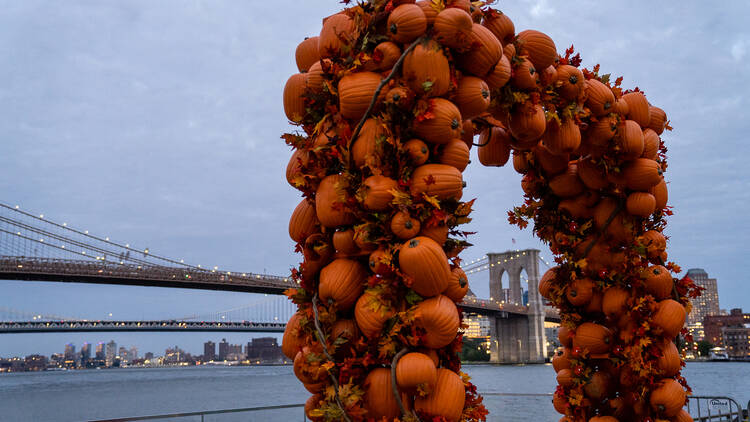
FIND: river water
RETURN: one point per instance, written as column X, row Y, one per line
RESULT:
column 105, row 394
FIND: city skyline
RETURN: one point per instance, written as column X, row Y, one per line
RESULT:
column 165, row 134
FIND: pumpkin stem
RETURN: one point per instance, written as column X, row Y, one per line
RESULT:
column 409, row 224
column 455, row 124
column 413, row 243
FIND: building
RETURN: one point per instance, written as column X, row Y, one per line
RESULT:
column 99, row 351
column 133, row 353
column 223, row 349
column 263, row 349
column 209, row 351
column 71, row 360
column 122, row 352
column 705, row 305
column 715, row 324
column 148, row 356
column 737, row 340
column 478, row 326
column 35, row 363
column 110, row 354
column 85, row 354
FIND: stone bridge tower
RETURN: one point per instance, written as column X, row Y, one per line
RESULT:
column 517, row 338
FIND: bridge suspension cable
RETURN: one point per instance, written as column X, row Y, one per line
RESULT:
column 9, row 314
column 267, row 309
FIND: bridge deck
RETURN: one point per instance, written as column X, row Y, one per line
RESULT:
column 110, row 326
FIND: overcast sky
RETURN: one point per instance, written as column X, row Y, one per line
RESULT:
column 157, row 124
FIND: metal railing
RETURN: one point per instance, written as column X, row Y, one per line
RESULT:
column 715, row 408
column 205, row 413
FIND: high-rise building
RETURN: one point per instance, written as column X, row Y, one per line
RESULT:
column 99, row 351
column 148, row 356
column 263, row 349
column 133, row 353
column 223, row 349
column 85, row 354
column 71, row 359
column 209, row 351
column 122, row 352
column 110, row 352
column 705, row 305
column 478, row 326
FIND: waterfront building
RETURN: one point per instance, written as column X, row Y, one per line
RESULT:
column 133, row 353
column 99, row 351
column 552, row 339
column 122, row 352
column 223, row 349
column 35, row 363
column 263, row 349
column 478, row 326
column 110, row 354
column 209, row 351
column 70, row 358
column 148, row 356
column 705, row 305
column 85, row 354
column 737, row 341
column 715, row 324
column 56, row 360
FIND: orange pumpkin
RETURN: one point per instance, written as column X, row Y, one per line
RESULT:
column 494, row 149
column 343, row 242
column 598, row 386
column 455, row 153
column 501, row 26
column 527, row 122
column 371, row 313
column 657, row 119
column 406, row 22
column 642, row 174
column 561, row 360
column 438, row 316
column 342, row 281
column 600, row 99
column 472, row 96
column 640, row 204
column 565, row 377
column 617, row 227
column 524, row 75
column 438, row 233
column 559, row 402
column 355, row 93
column 591, row 174
column 562, row 138
column 509, row 51
column 307, row 53
column 404, row 226
column 453, row 28
column 621, row 107
column 303, row 222
column 500, row 74
column 600, row 134
column 548, row 76
column 385, row 55
column 615, row 301
column 447, row 398
column 570, row 81
column 653, row 242
column 630, row 140
column 637, row 108
column 308, row 373
column 485, row 52
column 315, row 78
column 418, row 151
column 380, row 261
column 580, row 292
column 312, row 404
column 661, row 194
column 682, row 416
column 547, row 281
column 346, row 329
column 668, row 398
column 650, row 144
column 377, row 190
column 520, row 162
column 294, row 103
column 565, row 336
column 444, row 125
column 567, row 184
column 400, row 96
column 538, row 46
column 426, row 69
column 551, row 163
column 594, row 338
column 292, row 340
column 604, row 419
column 669, row 316
column 424, row 261
column 458, row 285
column 294, row 174
column 429, row 12
column 337, row 33
column 379, row 400
column 365, row 148
column 669, row 362
column 329, row 202
column 467, row 134
column 416, row 370
column 439, row 180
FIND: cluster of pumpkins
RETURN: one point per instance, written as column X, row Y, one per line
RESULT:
column 390, row 98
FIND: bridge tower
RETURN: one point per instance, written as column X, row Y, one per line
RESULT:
column 517, row 338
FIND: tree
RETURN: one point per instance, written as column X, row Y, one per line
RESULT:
column 704, row 347
column 474, row 351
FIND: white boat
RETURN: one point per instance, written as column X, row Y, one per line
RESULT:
column 718, row 354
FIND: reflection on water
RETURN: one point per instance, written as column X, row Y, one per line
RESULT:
column 102, row 394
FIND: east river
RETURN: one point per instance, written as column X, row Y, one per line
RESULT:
column 105, row 394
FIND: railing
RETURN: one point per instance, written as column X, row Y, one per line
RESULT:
column 109, row 326
column 204, row 414
column 714, row 409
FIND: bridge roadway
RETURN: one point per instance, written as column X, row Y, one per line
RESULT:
column 107, row 272
column 109, row 326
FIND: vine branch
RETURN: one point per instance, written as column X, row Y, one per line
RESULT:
column 321, row 339
column 394, row 70
column 394, row 384
column 603, row 230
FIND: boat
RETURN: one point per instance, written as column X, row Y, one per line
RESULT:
column 718, row 354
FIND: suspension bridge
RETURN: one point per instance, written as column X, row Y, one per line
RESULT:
column 35, row 248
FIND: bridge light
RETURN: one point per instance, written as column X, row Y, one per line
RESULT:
column 127, row 245
column 86, row 231
column 16, row 206
column 41, row 215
